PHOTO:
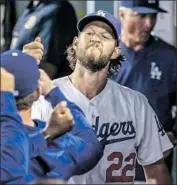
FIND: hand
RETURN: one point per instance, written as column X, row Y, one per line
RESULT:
column 34, row 49
column 60, row 121
column 45, row 82
column 7, row 81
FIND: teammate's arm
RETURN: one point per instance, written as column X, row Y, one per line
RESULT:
column 157, row 173
column 86, row 150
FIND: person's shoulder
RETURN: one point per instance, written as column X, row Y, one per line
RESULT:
column 162, row 45
column 126, row 93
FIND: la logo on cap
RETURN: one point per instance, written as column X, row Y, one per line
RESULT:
column 101, row 13
column 15, row 54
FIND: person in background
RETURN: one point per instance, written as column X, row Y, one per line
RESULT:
column 8, row 19
column 150, row 64
column 59, row 153
column 55, row 22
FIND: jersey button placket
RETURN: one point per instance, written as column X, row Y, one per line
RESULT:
column 92, row 110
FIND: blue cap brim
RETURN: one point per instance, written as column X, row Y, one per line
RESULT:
column 146, row 10
column 86, row 20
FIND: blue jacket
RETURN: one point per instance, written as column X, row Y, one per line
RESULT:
column 72, row 154
column 152, row 71
column 15, row 145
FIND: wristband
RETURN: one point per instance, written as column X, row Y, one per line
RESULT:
column 47, row 137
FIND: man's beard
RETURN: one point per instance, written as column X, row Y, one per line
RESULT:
column 91, row 63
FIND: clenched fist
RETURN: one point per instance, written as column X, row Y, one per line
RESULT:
column 60, row 121
column 34, row 49
column 7, row 81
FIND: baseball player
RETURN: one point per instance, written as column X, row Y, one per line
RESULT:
column 12, row 130
column 122, row 118
column 54, row 153
column 11, row 126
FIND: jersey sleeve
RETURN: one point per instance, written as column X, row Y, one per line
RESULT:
column 152, row 141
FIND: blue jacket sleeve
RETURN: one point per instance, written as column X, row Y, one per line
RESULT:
column 16, row 147
column 14, row 143
column 79, row 150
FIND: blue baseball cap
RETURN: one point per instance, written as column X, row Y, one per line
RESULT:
column 143, row 6
column 100, row 15
column 25, row 70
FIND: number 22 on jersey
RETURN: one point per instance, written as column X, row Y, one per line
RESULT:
column 130, row 160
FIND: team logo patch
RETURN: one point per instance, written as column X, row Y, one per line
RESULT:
column 101, row 13
column 31, row 22
column 155, row 72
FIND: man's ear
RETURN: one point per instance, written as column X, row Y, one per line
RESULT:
column 75, row 41
column 116, row 53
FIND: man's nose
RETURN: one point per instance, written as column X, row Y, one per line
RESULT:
column 95, row 38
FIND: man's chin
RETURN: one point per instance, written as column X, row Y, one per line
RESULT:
column 144, row 38
column 93, row 57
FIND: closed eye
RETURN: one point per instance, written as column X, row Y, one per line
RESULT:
column 106, row 37
column 89, row 33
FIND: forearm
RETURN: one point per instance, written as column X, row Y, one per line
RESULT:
column 55, row 96
column 160, row 179
column 157, row 173
column 71, row 155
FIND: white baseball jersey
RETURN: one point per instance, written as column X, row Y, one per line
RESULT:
column 125, row 120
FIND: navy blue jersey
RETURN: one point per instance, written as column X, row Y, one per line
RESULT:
column 152, row 71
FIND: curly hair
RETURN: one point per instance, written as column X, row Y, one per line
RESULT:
column 114, row 64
